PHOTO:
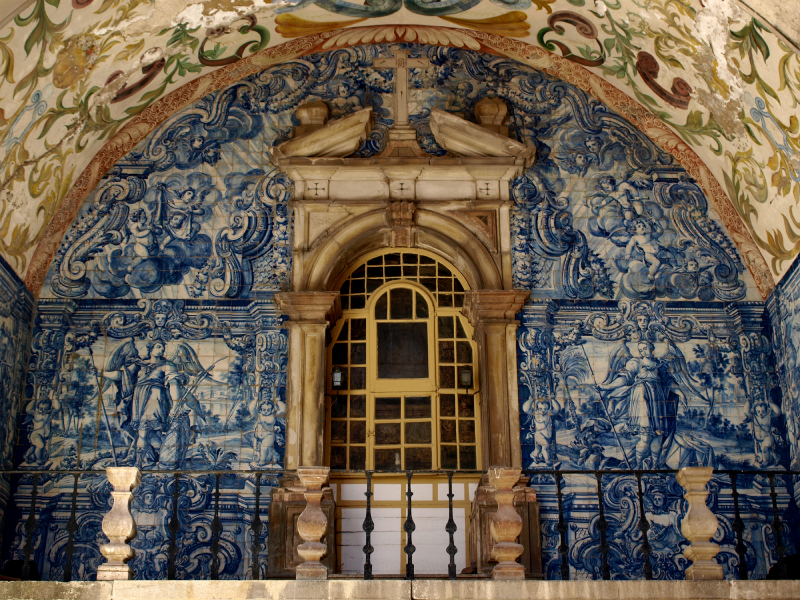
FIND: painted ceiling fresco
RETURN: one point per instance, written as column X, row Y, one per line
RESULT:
column 82, row 81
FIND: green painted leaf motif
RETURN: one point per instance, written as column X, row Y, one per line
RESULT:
column 577, row 2
column 43, row 28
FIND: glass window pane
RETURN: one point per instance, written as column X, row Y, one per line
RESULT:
column 466, row 405
column 338, row 432
column 358, row 329
column 339, row 354
column 339, row 407
column 345, row 289
column 380, row 306
column 464, row 352
column 447, row 377
column 387, row 408
column 358, row 432
column 387, row 433
column 448, row 430
column 359, row 272
column 466, row 432
column 375, row 272
column 422, row 307
column 358, row 354
column 458, row 300
column 446, row 353
column 444, row 271
column 401, row 303
column 467, row 455
column 427, row 271
column 402, row 350
column 358, row 458
column 460, row 329
column 449, row 457
column 447, row 405
column 446, row 327
column 410, row 272
column 425, row 260
column 357, row 286
column 418, row 407
column 392, row 273
column 445, row 285
column 418, row 432
column 410, row 259
column 445, row 300
column 338, row 457
column 392, row 259
column 359, row 378
column 378, row 260
column 373, row 284
column 418, row 458
column 343, row 332
column 457, row 286
column 387, row 459
column 357, row 302
column 358, row 406
column 429, row 284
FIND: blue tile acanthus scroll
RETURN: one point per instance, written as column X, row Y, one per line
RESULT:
column 157, row 342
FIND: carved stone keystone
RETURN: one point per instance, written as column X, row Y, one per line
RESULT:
column 699, row 524
column 119, row 525
column 506, row 524
column 312, row 524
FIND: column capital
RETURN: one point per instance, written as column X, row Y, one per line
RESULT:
column 493, row 305
column 310, row 306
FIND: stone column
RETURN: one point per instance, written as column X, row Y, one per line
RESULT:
column 699, row 524
column 506, row 524
column 119, row 525
column 312, row 524
column 493, row 315
column 310, row 315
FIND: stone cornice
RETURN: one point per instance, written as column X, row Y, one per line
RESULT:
column 319, row 307
column 493, row 305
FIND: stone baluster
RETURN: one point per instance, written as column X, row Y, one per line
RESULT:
column 699, row 525
column 119, row 525
column 506, row 524
column 312, row 524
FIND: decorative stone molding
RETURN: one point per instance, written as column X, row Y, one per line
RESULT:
column 337, row 138
column 506, row 524
column 310, row 314
column 493, row 315
column 699, row 524
column 312, row 524
column 119, row 525
column 463, row 138
column 401, row 218
column 320, row 307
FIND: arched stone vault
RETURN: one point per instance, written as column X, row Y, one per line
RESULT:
column 138, row 128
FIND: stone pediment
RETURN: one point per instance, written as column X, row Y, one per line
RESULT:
column 462, row 138
column 334, row 139
column 484, row 163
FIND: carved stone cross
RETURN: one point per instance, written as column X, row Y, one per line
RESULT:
column 402, row 63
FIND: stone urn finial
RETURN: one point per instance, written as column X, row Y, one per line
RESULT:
column 119, row 525
column 506, row 524
column 312, row 524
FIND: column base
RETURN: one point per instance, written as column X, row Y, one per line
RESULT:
column 704, row 572
column 114, row 573
column 506, row 571
column 311, row 571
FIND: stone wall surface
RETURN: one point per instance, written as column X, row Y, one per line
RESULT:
column 157, row 342
column 403, row 590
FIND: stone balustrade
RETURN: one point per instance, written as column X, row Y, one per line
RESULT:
column 119, row 525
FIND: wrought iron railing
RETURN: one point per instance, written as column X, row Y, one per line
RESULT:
column 368, row 526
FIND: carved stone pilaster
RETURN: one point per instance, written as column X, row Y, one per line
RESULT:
column 699, row 524
column 310, row 314
column 493, row 315
column 119, row 525
column 506, row 524
column 312, row 524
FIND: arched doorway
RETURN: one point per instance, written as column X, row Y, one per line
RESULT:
column 402, row 347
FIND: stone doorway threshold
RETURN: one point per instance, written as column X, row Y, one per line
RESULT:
column 402, row 590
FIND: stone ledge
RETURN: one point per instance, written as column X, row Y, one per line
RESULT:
column 402, row 590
